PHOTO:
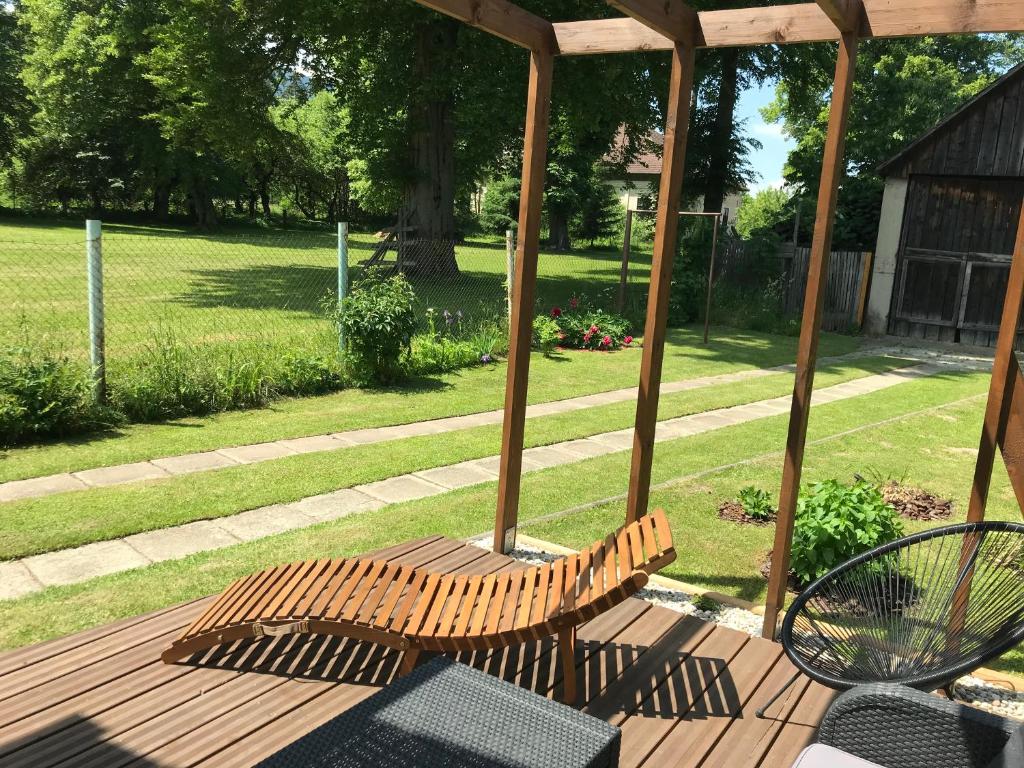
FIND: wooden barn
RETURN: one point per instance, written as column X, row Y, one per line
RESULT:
column 949, row 219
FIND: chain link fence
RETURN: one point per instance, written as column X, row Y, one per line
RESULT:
column 228, row 291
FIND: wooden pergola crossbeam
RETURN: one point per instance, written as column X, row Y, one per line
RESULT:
column 801, row 23
column 502, row 19
column 845, row 14
column 672, row 19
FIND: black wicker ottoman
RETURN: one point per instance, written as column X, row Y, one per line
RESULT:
column 447, row 714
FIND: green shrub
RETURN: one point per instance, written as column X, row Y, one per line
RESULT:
column 835, row 522
column 377, row 320
column 431, row 354
column 172, row 379
column 546, row 334
column 756, row 503
column 499, row 210
column 44, row 395
column 584, row 328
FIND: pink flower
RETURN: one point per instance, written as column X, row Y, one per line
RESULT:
column 607, row 341
column 556, row 312
column 574, row 303
column 586, row 337
column 593, row 329
column 628, row 340
column 561, row 336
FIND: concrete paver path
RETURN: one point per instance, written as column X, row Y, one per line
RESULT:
column 69, row 566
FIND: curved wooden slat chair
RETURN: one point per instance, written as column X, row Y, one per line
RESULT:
column 415, row 609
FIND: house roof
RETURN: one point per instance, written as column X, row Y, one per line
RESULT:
column 886, row 168
column 647, row 161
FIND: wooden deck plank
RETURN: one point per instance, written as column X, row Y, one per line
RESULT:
column 673, row 684
column 697, row 732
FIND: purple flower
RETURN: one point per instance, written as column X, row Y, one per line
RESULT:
column 458, row 313
column 485, row 358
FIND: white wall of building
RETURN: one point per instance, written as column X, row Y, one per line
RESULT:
column 883, row 275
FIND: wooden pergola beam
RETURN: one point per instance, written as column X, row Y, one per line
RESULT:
column 832, row 167
column 671, row 18
column 502, row 19
column 843, row 13
column 535, row 149
column 801, row 23
column 1004, row 415
column 677, row 124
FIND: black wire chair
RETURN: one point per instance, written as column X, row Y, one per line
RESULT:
column 920, row 611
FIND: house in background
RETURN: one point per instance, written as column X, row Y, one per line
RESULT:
column 949, row 221
column 641, row 175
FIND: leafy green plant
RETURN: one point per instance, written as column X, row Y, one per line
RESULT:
column 44, row 395
column 546, row 334
column 377, row 321
column 835, row 522
column 756, row 503
column 585, row 328
column 705, row 603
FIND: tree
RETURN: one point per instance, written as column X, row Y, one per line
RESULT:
column 313, row 164
column 763, row 211
column 902, row 88
column 14, row 100
column 499, row 211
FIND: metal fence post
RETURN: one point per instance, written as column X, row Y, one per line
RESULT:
column 510, row 268
column 342, row 271
column 97, row 342
column 620, row 300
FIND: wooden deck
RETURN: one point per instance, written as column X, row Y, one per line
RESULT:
column 682, row 691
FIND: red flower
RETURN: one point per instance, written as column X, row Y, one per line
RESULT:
column 593, row 329
column 607, row 341
column 556, row 312
column 574, row 303
column 586, row 337
column 628, row 340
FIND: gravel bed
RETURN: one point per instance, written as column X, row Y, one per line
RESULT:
column 969, row 689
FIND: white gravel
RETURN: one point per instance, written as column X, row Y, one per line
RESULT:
column 969, row 689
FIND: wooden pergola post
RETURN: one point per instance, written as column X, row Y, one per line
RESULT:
column 1004, row 425
column 538, row 110
column 810, row 328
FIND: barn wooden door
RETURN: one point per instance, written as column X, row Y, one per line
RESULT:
column 954, row 258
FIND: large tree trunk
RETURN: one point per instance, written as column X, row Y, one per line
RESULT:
column 162, row 201
column 431, row 196
column 202, row 204
column 721, row 140
column 558, row 232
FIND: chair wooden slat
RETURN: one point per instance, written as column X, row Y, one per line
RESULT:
column 413, row 608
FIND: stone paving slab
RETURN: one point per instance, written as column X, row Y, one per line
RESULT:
column 17, row 581
column 40, row 486
column 331, row 506
column 265, row 521
column 402, row 488
column 460, row 475
column 181, row 540
column 70, row 566
column 251, row 454
column 92, row 560
column 492, row 464
column 231, row 456
column 313, row 444
column 122, row 473
column 194, row 462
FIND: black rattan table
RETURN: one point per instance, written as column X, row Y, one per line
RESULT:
column 446, row 714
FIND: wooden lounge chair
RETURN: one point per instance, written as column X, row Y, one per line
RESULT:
column 415, row 609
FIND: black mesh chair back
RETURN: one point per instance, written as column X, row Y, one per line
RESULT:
column 921, row 611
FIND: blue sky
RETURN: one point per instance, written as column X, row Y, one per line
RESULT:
column 769, row 161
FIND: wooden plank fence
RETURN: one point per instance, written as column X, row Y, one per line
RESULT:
column 849, row 277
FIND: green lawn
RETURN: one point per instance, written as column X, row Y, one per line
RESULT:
column 66, row 520
column 241, row 284
column 471, row 390
column 931, row 448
